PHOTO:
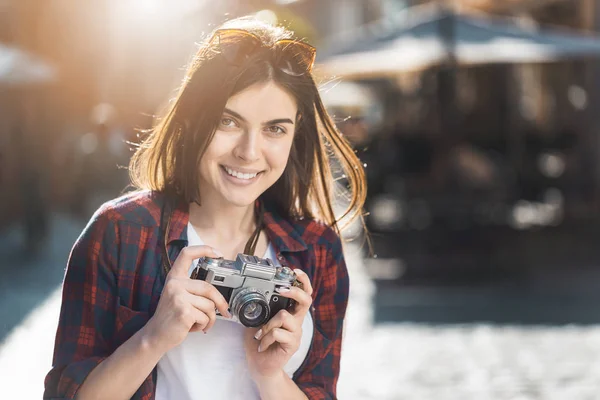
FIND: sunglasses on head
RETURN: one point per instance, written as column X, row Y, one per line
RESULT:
column 291, row 56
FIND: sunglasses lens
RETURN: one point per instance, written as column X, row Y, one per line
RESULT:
column 235, row 45
column 296, row 58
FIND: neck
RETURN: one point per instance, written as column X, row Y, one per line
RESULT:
column 226, row 221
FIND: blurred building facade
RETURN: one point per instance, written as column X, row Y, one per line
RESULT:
column 534, row 125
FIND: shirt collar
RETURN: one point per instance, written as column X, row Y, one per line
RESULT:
column 279, row 230
column 180, row 216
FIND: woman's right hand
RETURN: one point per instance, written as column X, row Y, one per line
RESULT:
column 185, row 305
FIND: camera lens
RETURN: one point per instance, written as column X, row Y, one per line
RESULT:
column 253, row 311
column 250, row 307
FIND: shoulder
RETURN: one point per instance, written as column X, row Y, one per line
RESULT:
column 316, row 233
column 298, row 233
column 140, row 207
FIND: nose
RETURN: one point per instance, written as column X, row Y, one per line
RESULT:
column 248, row 147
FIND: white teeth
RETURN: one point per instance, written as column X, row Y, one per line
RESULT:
column 239, row 175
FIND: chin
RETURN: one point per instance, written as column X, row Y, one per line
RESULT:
column 239, row 199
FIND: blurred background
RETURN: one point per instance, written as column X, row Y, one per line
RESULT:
column 478, row 122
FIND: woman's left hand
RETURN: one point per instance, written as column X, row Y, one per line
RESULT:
column 268, row 349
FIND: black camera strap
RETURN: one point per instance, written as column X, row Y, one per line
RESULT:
column 250, row 248
column 165, row 222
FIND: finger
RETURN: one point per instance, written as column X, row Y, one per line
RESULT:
column 303, row 278
column 203, row 289
column 201, row 321
column 278, row 335
column 206, row 306
column 300, row 296
column 283, row 319
column 187, row 255
column 198, row 327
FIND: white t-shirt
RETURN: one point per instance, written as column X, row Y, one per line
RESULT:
column 213, row 365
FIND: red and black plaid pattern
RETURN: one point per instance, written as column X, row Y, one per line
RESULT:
column 114, row 279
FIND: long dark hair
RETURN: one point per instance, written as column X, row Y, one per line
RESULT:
column 168, row 159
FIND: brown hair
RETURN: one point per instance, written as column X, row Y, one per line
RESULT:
column 168, row 159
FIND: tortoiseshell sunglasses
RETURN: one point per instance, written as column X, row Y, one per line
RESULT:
column 291, row 56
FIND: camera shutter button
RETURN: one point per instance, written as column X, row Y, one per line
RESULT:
column 286, row 273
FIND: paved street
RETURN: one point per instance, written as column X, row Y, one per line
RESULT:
column 406, row 361
column 410, row 361
column 29, row 307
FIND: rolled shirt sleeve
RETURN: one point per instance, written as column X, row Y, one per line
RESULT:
column 87, row 316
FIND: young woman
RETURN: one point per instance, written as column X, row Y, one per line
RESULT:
column 239, row 164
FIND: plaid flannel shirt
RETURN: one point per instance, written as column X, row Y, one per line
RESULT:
column 114, row 280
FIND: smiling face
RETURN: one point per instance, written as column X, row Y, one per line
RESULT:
column 251, row 145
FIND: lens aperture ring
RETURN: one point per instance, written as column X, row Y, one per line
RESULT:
column 249, row 297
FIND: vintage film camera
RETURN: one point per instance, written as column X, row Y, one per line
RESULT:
column 248, row 284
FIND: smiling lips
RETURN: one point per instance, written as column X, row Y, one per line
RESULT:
column 240, row 175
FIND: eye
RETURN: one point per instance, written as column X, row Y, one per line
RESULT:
column 227, row 122
column 276, row 130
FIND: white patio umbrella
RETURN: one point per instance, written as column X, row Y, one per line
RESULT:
column 19, row 67
column 472, row 40
column 346, row 94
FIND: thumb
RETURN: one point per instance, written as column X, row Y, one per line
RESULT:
column 188, row 254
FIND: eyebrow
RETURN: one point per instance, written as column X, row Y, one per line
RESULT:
column 271, row 122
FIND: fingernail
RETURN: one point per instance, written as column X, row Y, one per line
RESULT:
column 217, row 252
column 282, row 289
column 258, row 334
column 299, row 272
column 260, row 348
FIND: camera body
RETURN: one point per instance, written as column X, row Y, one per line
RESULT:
column 248, row 285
